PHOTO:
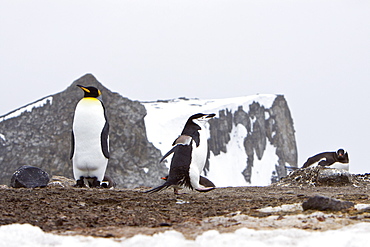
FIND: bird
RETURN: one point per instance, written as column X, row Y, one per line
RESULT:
column 189, row 155
column 202, row 181
column 338, row 159
column 90, row 139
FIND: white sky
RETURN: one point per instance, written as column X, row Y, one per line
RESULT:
column 316, row 53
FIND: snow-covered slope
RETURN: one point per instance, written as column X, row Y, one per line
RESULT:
column 243, row 147
column 27, row 108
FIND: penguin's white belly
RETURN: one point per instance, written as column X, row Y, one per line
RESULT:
column 89, row 121
column 338, row 165
column 198, row 160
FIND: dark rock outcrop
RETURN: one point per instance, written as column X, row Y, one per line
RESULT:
column 41, row 137
column 273, row 125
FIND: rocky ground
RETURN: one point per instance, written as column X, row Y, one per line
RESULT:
column 126, row 212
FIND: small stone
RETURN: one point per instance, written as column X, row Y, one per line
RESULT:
column 60, row 181
column 165, row 224
column 29, row 177
column 323, row 203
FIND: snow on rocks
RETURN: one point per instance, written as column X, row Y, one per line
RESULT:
column 27, row 108
column 244, row 147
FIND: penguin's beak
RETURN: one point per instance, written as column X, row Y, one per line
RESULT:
column 206, row 117
column 210, row 115
column 83, row 88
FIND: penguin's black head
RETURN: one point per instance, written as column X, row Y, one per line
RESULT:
column 201, row 116
column 199, row 119
column 340, row 152
column 90, row 91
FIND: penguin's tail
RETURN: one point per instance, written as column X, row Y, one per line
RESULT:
column 159, row 188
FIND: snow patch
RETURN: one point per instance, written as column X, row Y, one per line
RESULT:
column 263, row 169
column 28, row 108
column 362, row 206
column 353, row 235
column 2, row 137
column 283, row 208
column 267, row 115
column 226, row 168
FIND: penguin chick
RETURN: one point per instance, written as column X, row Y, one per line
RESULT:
column 338, row 159
column 189, row 155
column 202, row 181
column 89, row 147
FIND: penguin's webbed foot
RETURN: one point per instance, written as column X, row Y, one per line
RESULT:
column 95, row 183
column 176, row 192
column 80, row 183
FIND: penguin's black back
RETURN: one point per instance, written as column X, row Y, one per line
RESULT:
column 180, row 166
column 330, row 158
column 191, row 128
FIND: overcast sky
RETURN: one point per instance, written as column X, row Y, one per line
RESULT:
column 316, row 53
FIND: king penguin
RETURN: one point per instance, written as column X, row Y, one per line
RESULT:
column 189, row 156
column 90, row 147
column 338, row 159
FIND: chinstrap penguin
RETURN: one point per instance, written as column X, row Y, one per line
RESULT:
column 90, row 144
column 338, row 159
column 189, row 156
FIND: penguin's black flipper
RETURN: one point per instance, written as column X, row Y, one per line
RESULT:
column 181, row 140
column 72, row 145
column 159, row 188
column 168, row 153
column 328, row 162
column 104, row 140
column 313, row 159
